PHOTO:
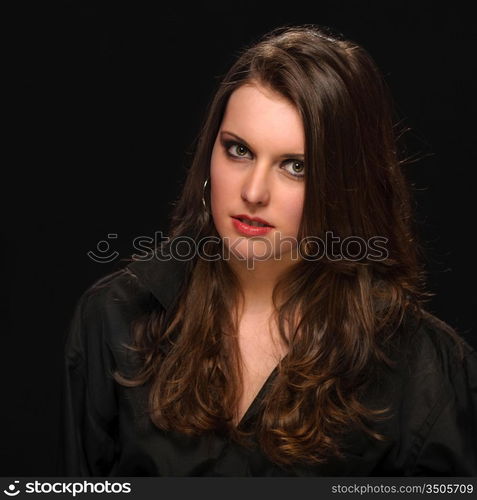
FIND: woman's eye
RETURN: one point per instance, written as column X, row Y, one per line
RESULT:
column 296, row 169
column 236, row 149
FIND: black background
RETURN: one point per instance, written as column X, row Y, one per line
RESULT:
column 107, row 99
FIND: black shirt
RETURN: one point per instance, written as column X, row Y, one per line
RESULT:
column 432, row 394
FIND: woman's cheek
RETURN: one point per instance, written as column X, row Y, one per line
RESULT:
column 296, row 218
column 221, row 197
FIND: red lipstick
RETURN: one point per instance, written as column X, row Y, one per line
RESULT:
column 250, row 218
column 243, row 224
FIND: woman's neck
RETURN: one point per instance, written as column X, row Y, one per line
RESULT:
column 258, row 281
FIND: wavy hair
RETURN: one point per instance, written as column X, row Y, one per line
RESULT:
column 336, row 317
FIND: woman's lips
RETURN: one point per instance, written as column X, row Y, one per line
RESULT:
column 248, row 230
column 248, row 218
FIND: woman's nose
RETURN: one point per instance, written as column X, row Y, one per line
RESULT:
column 256, row 189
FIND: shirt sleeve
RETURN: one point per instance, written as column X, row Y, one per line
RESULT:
column 89, row 407
column 449, row 439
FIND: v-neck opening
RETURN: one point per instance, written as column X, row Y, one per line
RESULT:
column 257, row 400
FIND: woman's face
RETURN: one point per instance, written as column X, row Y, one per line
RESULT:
column 257, row 169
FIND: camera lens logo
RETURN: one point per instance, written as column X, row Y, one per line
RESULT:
column 103, row 247
column 12, row 491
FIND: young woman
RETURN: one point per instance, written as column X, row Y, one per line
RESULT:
column 292, row 339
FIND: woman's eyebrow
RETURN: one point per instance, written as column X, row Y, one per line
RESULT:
column 244, row 142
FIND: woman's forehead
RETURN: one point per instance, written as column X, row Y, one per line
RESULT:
column 260, row 114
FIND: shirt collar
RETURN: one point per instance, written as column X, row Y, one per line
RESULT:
column 162, row 274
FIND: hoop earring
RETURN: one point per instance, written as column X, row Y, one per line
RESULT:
column 203, row 194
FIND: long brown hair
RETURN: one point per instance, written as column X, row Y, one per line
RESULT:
column 335, row 316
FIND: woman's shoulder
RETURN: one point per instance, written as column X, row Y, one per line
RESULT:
column 139, row 284
column 430, row 389
column 436, row 398
column 429, row 345
column 121, row 289
column 104, row 313
column 431, row 367
column 430, row 361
